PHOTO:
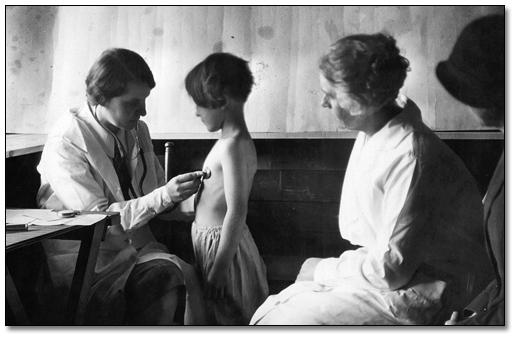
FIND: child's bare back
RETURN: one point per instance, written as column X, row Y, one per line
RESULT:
column 232, row 159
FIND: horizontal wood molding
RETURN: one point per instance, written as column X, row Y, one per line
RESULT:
column 22, row 144
column 449, row 135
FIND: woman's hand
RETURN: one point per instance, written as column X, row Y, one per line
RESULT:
column 307, row 269
column 183, row 186
column 453, row 319
column 216, row 285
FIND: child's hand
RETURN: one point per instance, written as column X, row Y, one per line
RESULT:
column 216, row 285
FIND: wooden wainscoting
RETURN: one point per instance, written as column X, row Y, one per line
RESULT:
column 294, row 203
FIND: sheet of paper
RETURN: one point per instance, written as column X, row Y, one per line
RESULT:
column 61, row 221
column 49, row 217
column 46, row 215
column 16, row 217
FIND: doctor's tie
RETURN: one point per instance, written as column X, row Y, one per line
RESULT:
column 122, row 172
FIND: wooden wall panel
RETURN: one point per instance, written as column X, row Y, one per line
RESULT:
column 298, row 186
column 303, row 154
column 294, row 204
column 47, row 59
column 296, row 228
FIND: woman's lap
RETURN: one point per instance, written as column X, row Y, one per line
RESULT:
column 306, row 304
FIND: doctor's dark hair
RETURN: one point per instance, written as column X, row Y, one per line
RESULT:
column 218, row 75
column 111, row 73
column 367, row 66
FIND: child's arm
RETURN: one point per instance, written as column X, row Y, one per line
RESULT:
column 236, row 190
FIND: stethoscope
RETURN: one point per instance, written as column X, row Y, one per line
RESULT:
column 121, row 149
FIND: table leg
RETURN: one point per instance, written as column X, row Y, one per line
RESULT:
column 84, row 273
column 14, row 302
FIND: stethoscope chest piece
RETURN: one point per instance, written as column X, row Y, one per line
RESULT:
column 207, row 173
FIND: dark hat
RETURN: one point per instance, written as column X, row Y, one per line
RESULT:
column 475, row 73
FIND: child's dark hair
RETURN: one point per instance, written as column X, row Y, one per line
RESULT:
column 111, row 73
column 219, row 74
column 368, row 66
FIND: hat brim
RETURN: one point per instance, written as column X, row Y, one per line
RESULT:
column 462, row 87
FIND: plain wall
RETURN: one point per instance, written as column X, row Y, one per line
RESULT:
column 49, row 50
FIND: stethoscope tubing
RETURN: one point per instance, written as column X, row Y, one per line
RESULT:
column 138, row 143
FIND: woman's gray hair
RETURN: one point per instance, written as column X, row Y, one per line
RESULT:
column 367, row 66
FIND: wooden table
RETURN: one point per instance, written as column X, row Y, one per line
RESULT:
column 83, row 273
column 22, row 144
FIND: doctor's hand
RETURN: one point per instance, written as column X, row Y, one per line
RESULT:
column 183, row 186
column 307, row 269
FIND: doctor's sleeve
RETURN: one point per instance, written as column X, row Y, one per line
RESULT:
column 71, row 177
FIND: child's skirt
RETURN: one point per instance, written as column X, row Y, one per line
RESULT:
column 247, row 282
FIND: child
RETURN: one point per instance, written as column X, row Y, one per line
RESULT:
column 233, row 273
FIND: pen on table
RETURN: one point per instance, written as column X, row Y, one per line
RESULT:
column 16, row 227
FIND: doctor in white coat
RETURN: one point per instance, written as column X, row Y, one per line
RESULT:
column 99, row 157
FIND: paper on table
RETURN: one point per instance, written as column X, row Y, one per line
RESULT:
column 15, row 217
column 46, row 215
column 49, row 217
column 60, row 221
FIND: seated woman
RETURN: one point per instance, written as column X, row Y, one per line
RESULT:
column 407, row 200
column 99, row 157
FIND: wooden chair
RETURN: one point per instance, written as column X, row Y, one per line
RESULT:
column 168, row 161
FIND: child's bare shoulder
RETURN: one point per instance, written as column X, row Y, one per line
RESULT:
column 239, row 151
column 237, row 143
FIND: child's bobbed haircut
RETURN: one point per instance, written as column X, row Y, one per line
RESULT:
column 111, row 73
column 218, row 75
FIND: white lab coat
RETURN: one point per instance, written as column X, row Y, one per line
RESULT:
column 77, row 173
column 412, row 205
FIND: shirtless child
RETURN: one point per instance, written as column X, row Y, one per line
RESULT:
column 232, row 271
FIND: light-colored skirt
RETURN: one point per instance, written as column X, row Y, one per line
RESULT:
column 345, row 303
column 247, row 281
